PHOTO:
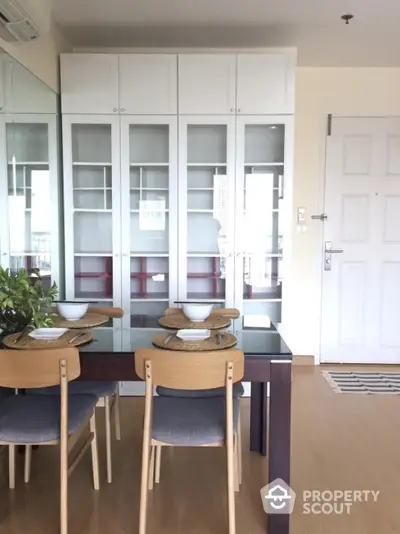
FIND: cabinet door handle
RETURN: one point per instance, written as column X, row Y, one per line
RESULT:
column 239, row 110
column 122, row 109
column 232, row 110
column 115, row 110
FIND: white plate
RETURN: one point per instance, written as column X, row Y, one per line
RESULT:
column 48, row 333
column 193, row 334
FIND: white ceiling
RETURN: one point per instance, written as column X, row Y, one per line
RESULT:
column 314, row 26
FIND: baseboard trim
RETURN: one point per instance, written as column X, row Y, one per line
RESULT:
column 303, row 360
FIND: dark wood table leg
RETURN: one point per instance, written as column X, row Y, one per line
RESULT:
column 279, row 435
column 258, row 417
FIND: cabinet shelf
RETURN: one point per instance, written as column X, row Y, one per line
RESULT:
column 30, row 163
column 269, row 164
column 137, row 297
column 194, row 165
column 93, row 254
column 200, row 210
column 92, row 210
column 92, row 188
column 149, row 255
column 91, row 164
column 151, row 211
column 200, row 189
column 149, row 188
column 149, row 164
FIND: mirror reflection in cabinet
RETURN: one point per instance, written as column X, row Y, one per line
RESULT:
column 30, row 199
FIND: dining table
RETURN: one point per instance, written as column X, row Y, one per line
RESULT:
column 268, row 367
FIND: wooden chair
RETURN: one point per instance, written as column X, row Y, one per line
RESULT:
column 108, row 393
column 108, row 397
column 238, row 391
column 172, row 421
column 47, row 420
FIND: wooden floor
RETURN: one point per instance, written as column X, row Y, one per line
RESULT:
column 340, row 442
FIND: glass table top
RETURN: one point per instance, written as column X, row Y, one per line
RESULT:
column 259, row 337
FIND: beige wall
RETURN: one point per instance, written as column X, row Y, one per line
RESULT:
column 320, row 91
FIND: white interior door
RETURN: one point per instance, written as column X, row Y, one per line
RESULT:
column 361, row 285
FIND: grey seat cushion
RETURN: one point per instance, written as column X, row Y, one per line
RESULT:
column 36, row 418
column 183, row 421
column 238, row 391
column 100, row 388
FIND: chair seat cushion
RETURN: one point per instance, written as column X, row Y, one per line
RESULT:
column 36, row 418
column 183, row 421
column 238, row 391
column 100, row 388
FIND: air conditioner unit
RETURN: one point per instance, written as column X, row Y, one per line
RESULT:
column 15, row 24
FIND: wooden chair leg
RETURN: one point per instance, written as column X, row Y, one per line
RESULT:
column 151, row 469
column 11, row 466
column 117, row 414
column 28, row 458
column 158, row 464
column 144, row 486
column 231, row 488
column 64, row 485
column 95, row 453
column 107, row 410
column 239, row 447
column 236, row 465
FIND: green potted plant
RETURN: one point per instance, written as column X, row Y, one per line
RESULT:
column 24, row 301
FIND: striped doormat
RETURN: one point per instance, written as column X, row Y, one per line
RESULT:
column 365, row 383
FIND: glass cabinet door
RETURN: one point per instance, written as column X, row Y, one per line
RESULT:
column 32, row 197
column 149, row 220
column 261, row 203
column 92, row 213
column 206, row 210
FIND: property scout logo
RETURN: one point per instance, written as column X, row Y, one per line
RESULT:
column 279, row 498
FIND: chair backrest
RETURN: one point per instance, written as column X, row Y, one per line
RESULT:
column 231, row 313
column 115, row 313
column 37, row 368
column 189, row 370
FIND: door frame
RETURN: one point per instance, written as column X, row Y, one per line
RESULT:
column 323, row 160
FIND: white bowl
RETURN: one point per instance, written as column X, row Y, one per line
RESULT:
column 197, row 312
column 72, row 311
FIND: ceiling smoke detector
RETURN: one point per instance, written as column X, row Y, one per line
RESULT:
column 347, row 18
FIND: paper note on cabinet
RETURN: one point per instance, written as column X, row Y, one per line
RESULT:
column 152, row 215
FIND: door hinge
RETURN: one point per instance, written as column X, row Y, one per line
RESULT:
column 329, row 127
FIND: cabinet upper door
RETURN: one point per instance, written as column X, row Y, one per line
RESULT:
column 148, row 84
column 207, row 84
column 265, row 83
column 89, row 83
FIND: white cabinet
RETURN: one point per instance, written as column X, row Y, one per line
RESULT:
column 89, row 83
column 262, row 212
column 207, row 84
column 206, row 192
column 164, row 206
column 30, row 196
column 92, row 199
column 148, row 84
column 265, row 84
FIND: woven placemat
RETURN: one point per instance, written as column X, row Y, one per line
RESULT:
column 178, row 321
column 27, row 342
column 224, row 340
column 89, row 320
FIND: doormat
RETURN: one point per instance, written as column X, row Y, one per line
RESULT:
column 364, row 383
